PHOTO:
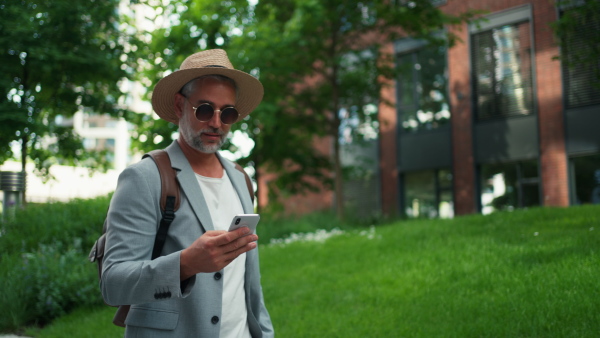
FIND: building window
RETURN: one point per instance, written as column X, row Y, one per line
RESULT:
column 109, row 143
column 507, row 186
column 423, row 102
column 428, row 194
column 580, row 63
column 502, row 71
column 90, row 143
column 585, row 179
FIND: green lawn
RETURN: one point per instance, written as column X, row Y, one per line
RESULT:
column 528, row 273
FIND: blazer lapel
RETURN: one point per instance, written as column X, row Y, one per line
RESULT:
column 189, row 185
column 238, row 180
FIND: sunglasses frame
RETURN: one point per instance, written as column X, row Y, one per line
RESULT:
column 214, row 111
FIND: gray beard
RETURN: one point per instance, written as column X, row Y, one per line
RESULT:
column 194, row 140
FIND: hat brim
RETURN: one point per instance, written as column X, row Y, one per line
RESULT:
column 249, row 90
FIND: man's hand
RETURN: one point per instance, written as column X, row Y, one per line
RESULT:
column 214, row 250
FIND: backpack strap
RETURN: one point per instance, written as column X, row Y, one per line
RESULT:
column 169, row 203
column 248, row 181
column 169, row 198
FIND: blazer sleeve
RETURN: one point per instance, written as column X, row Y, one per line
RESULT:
column 129, row 275
column 266, row 326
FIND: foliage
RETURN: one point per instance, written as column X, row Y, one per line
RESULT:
column 182, row 28
column 46, row 283
column 319, row 62
column 54, row 222
column 465, row 277
column 43, row 253
column 326, row 63
column 57, row 58
column 207, row 24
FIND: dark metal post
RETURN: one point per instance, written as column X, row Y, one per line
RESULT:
column 13, row 184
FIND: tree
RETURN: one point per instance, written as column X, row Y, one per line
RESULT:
column 320, row 58
column 195, row 25
column 317, row 60
column 57, row 58
column 181, row 28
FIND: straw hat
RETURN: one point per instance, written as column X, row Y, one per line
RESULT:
column 213, row 61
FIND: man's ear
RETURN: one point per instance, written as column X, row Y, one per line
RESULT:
column 179, row 104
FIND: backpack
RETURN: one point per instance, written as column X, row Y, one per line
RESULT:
column 169, row 204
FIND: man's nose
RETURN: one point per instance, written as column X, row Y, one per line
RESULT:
column 215, row 121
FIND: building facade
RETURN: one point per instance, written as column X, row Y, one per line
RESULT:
column 494, row 122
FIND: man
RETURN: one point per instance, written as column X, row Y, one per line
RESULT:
column 206, row 283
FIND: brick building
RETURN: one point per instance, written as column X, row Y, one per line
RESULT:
column 493, row 123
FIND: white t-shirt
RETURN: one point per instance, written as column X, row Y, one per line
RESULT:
column 223, row 204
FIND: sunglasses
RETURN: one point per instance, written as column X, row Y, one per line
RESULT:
column 206, row 111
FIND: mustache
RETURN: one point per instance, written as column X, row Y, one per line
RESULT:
column 212, row 131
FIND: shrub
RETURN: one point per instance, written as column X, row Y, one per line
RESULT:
column 43, row 259
column 46, row 283
column 54, row 222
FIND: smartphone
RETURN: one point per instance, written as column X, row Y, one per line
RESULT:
column 245, row 220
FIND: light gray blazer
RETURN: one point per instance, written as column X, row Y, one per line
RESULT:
column 160, row 307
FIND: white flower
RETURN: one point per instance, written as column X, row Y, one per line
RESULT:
column 320, row 235
column 370, row 234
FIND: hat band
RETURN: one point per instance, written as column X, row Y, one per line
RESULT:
column 214, row 66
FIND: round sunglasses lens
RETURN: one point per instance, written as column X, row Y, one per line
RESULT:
column 229, row 115
column 204, row 112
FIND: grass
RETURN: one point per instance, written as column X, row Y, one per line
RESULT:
column 82, row 323
column 528, row 273
column 468, row 277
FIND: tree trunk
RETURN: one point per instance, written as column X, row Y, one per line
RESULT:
column 335, row 133
column 337, row 165
column 335, row 127
column 24, row 141
column 256, row 159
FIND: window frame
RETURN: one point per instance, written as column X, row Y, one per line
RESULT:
column 515, row 15
column 566, row 69
column 410, row 46
column 574, row 193
column 521, row 182
column 438, row 189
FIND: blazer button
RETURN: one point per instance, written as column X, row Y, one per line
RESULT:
column 218, row 276
column 214, row 319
